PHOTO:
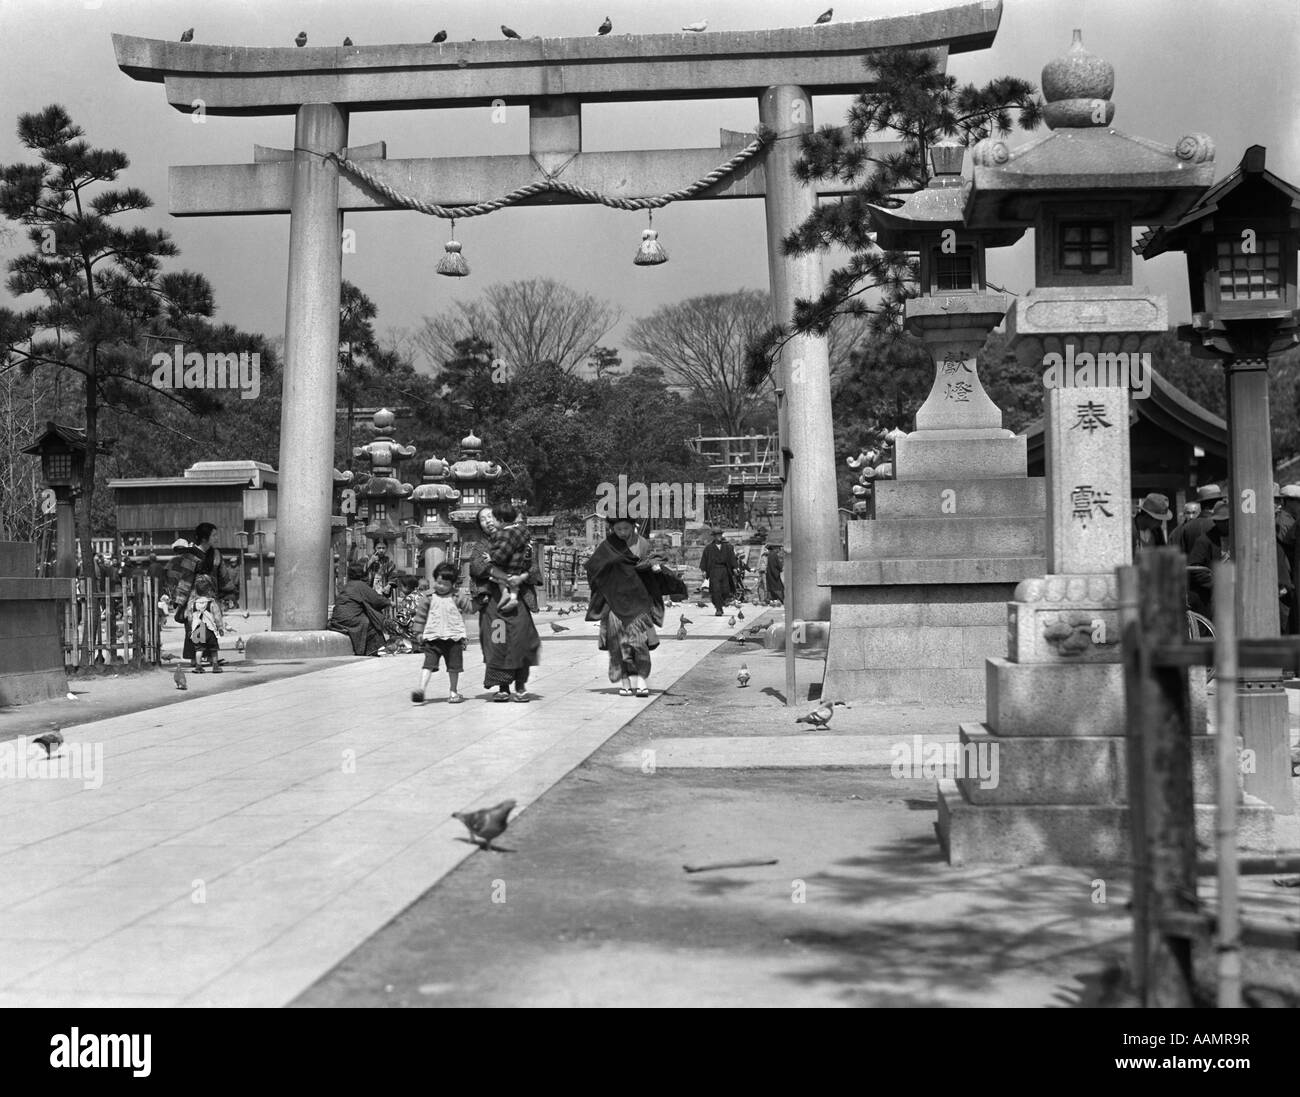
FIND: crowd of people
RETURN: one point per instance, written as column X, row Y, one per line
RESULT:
column 1204, row 536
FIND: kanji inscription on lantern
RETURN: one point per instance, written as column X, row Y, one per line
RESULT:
column 955, row 361
column 958, row 390
column 1090, row 416
column 1088, row 478
column 1089, row 502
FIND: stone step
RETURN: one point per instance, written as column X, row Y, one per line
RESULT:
column 955, row 685
column 961, row 497
column 918, row 458
column 917, row 607
column 954, row 647
column 1087, row 699
column 1068, row 834
column 1060, row 769
column 899, row 571
column 951, row 537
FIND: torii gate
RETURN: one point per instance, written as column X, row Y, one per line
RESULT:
column 554, row 77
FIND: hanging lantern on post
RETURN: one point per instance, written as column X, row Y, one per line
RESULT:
column 651, row 252
column 453, row 263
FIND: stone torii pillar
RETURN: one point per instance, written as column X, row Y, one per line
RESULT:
column 321, row 86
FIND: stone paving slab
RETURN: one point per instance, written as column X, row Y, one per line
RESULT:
column 783, row 752
column 242, row 844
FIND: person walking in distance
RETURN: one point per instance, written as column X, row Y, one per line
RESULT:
column 719, row 566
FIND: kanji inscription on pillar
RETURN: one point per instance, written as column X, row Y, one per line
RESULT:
column 1089, row 511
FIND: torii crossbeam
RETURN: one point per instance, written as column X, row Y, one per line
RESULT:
column 321, row 87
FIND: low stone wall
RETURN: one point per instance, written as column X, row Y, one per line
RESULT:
column 31, row 658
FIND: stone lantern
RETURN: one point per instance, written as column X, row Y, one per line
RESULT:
column 473, row 475
column 382, row 495
column 62, row 451
column 1241, row 241
column 434, row 499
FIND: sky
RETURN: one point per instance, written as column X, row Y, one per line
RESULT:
column 1222, row 67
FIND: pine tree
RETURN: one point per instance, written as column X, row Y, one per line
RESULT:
column 923, row 106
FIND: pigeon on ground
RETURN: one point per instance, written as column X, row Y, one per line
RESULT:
column 546, row 608
column 731, row 622
column 508, row 32
column 821, row 715
column 239, row 644
column 825, row 16
column 742, row 676
column 347, row 41
column 697, row 27
column 756, row 629
column 179, row 676
column 441, row 36
column 605, row 27
column 301, row 40
column 557, row 627
column 188, row 36
column 245, row 615
column 740, row 615
column 50, row 740
column 486, row 823
column 681, row 632
column 699, row 605
column 564, row 613
column 686, row 620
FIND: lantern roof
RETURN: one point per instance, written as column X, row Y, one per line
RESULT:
column 1247, row 185
column 1084, row 157
column 58, row 438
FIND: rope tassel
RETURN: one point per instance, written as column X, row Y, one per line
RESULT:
column 651, row 252
column 453, row 264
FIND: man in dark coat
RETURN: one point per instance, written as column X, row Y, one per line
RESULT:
column 1185, row 535
column 719, row 566
column 775, row 584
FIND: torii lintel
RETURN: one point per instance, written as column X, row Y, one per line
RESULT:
column 824, row 60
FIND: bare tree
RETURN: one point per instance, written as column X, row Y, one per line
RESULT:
column 527, row 322
column 700, row 345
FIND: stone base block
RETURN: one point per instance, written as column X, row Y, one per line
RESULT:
column 919, row 606
column 903, row 571
column 1062, row 632
column 949, row 536
column 1083, row 699
column 987, row 458
column 1071, row 834
column 960, row 496
column 278, row 647
column 1060, row 769
column 34, row 685
column 955, row 685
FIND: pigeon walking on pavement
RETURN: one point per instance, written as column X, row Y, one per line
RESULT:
column 605, row 27
column 681, row 632
column 188, row 36
column 486, row 823
column 347, row 41
column 441, row 36
column 821, row 716
column 239, row 644
column 50, row 741
column 742, row 676
column 686, row 620
column 731, row 622
column 301, row 40
column 825, row 16
column 508, row 32
column 557, row 627
column 179, row 676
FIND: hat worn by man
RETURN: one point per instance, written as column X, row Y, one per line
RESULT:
column 1221, row 512
column 1289, row 491
column 1157, row 506
column 1208, row 493
column 180, row 543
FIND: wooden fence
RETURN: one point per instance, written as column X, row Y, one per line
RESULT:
column 120, row 624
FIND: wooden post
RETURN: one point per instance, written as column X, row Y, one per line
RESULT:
column 1136, row 657
column 1225, row 686
column 1167, row 774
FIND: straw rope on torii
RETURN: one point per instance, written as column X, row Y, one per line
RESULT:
column 764, row 136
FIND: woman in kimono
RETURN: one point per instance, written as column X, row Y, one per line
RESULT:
column 359, row 613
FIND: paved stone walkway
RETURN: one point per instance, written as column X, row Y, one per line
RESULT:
column 242, row 844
